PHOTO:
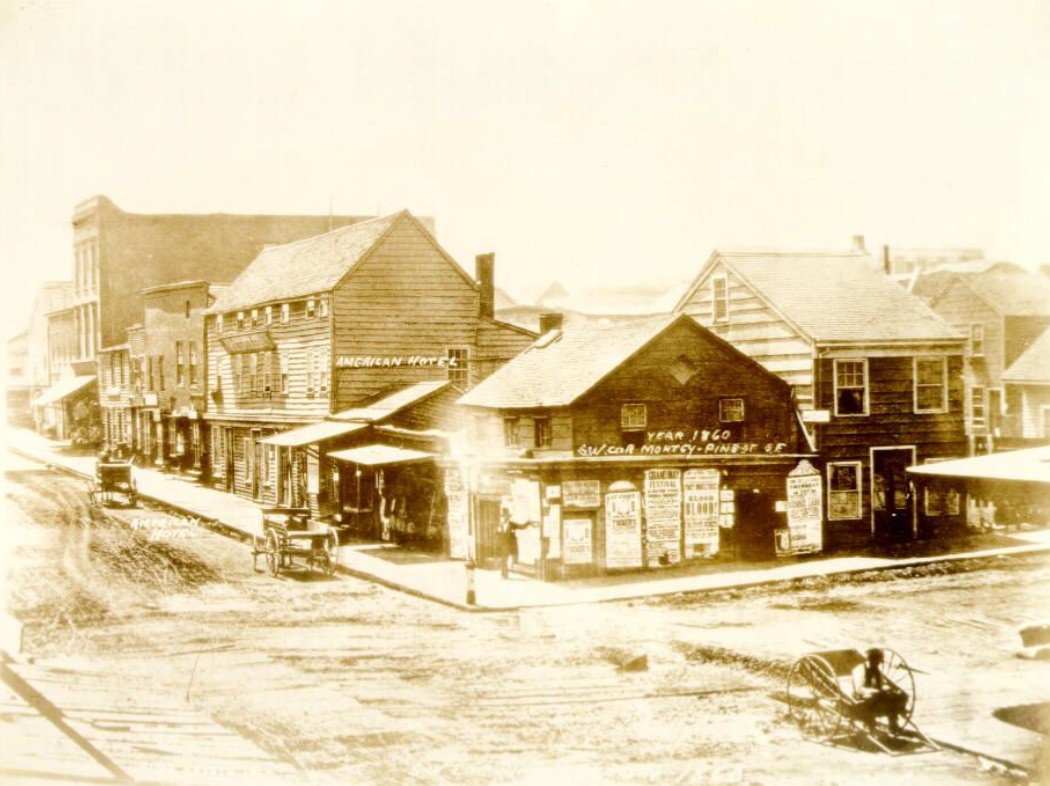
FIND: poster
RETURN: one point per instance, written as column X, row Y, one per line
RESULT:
column 581, row 493
column 526, row 501
column 313, row 475
column 700, row 511
column 456, row 494
column 804, row 519
column 663, row 514
column 577, row 544
column 623, row 529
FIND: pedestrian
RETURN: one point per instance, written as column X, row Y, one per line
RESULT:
column 508, row 535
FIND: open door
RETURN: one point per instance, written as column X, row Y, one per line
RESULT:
column 892, row 509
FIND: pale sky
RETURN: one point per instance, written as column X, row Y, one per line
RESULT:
column 585, row 142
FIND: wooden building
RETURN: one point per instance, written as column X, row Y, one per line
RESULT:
column 629, row 445
column 1027, row 384
column 1002, row 310
column 877, row 375
column 333, row 323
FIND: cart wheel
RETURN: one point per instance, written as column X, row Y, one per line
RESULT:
column 899, row 675
column 331, row 552
column 814, row 698
column 273, row 553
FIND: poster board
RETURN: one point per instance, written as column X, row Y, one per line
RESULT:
column 457, row 517
column 581, row 493
column 804, row 507
column 663, row 515
column 623, row 529
column 577, row 547
column 700, row 489
column 552, row 531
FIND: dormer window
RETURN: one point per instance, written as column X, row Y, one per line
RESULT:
column 285, row 313
column 255, row 317
column 240, row 320
column 268, row 315
column 311, row 308
column 322, row 309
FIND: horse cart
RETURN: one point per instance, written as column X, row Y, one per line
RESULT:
column 842, row 695
column 287, row 537
column 113, row 482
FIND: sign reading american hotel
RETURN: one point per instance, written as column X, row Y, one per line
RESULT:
column 394, row 361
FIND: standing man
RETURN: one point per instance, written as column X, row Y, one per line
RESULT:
column 508, row 533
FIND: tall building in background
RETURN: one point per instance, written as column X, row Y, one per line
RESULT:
column 116, row 255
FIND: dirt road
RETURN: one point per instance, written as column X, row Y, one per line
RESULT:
column 359, row 684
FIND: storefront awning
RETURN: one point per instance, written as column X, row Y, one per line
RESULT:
column 380, row 455
column 1031, row 465
column 62, row 389
column 309, row 435
column 250, row 342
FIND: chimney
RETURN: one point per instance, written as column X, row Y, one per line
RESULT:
column 552, row 320
column 858, row 244
column 484, row 269
column 887, row 268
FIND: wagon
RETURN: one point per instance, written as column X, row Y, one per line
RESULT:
column 113, row 482
column 837, row 695
column 286, row 538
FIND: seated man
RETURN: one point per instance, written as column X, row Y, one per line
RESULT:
column 878, row 696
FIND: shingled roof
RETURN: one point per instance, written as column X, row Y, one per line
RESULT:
column 832, row 297
column 305, row 267
column 562, row 365
column 1018, row 292
column 1033, row 366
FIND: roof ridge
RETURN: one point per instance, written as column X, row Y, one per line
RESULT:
column 329, row 233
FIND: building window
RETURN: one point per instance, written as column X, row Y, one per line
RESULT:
column 719, row 299
column 193, row 363
column 977, row 340
column 237, row 362
column 458, row 366
column 322, row 308
column 283, row 362
column 931, row 385
column 149, row 374
column 268, row 315
column 311, row 373
column 285, row 312
column 730, row 410
column 633, row 417
column 180, row 368
column 542, row 432
column 240, row 320
column 187, row 309
column 311, row 308
column 977, row 407
column 851, row 387
column 323, row 371
column 218, row 323
column 510, row 432
column 160, row 373
column 844, row 490
column 253, row 373
column 255, row 317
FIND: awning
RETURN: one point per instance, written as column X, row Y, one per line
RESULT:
column 380, row 455
column 315, row 432
column 250, row 342
column 62, row 389
column 1031, row 465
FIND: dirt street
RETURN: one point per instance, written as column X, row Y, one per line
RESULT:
column 355, row 683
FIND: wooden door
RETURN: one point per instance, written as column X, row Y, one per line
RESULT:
column 891, row 495
column 487, row 538
column 258, row 464
column 755, row 523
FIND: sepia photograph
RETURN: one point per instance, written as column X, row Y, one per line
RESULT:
column 530, row 392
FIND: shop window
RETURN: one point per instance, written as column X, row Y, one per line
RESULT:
column 542, row 432
column 844, row 490
column 510, row 432
column 719, row 299
column 931, row 385
column 458, row 366
column 851, row 387
column 730, row 410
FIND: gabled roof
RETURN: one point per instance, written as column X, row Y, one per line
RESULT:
column 831, row 297
column 1033, row 366
column 562, row 365
column 306, row 267
column 1015, row 292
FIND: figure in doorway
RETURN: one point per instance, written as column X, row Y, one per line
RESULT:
column 508, row 535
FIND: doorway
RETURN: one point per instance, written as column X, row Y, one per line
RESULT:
column 488, row 548
column 892, row 508
column 756, row 520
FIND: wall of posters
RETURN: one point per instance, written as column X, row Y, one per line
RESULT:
column 804, row 506
column 623, row 529
column 700, row 511
column 576, row 548
column 663, row 515
column 581, row 493
column 458, row 502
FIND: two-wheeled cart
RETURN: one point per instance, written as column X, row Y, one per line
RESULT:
column 288, row 541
